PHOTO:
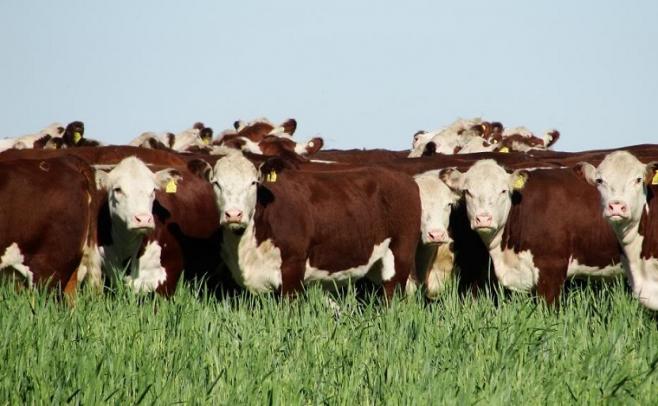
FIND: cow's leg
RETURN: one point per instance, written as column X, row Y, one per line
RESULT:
column 552, row 275
column 439, row 272
column 292, row 275
column 403, row 251
column 150, row 273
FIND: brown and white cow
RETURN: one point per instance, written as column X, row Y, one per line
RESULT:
column 283, row 228
column 628, row 188
column 46, row 220
column 540, row 226
column 55, row 130
column 199, row 136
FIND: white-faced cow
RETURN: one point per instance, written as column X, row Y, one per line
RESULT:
column 128, row 218
column 627, row 189
column 539, row 226
column 302, row 226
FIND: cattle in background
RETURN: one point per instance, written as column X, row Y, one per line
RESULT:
column 46, row 220
column 536, row 242
column 55, row 130
column 627, row 189
column 303, row 226
column 199, row 136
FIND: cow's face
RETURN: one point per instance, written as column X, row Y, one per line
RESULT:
column 436, row 202
column 131, row 187
column 621, row 180
column 487, row 190
column 235, row 183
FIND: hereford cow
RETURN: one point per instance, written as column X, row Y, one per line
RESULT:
column 540, row 227
column 627, row 190
column 199, row 136
column 284, row 228
column 55, row 130
column 46, row 220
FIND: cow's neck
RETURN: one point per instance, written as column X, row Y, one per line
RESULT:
column 631, row 241
column 125, row 244
column 235, row 245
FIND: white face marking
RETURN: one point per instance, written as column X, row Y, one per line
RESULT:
column 131, row 191
column 619, row 179
column 149, row 274
column 235, row 184
column 385, row 272
column 436, row 202
column 13, row 259
column 488, row 195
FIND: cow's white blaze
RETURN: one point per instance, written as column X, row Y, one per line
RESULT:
column 621, row 180
column 235, row 184
column 436, row 201
column 13, row 260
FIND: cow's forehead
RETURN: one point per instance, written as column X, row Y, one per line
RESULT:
column 235, row 166
column 130, row 170
column 621, row 164
column 486, row 172
column 431, row 186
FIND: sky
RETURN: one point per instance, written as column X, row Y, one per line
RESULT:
column 359, row 74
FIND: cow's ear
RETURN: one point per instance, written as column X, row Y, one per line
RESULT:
column 453, row 179
column 289, row 126
column 167, row 179
column 200, row 168
column 519, row 178
column 430, row 149
column 586, row 171
column 651, row 176
column 314, row 145
column 271, row 169
column 102, row 181
column 206, row 135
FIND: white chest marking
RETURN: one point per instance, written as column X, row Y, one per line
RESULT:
column 12, row 259
column 380, row 267
column 642, row 272
column 255, row 267
column 149, row 274
column 515, row 271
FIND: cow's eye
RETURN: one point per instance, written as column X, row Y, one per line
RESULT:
column 254, row 183
column 117, row 190
column 502, row 192
column 599, row 181
column 638, row 180
column 216, row 184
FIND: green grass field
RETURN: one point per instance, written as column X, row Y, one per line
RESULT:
column 601, row 346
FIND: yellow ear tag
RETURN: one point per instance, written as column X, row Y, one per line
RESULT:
column 171, row 186
column 76, row 137
column 504, row 150
column 519, row 182
column 205, row 141
column 654, row 180
column 271, row 177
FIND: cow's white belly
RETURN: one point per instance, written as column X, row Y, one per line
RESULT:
column 380, row 252
column 576, row 269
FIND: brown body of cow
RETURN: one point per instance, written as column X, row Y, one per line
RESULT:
column 45, row 241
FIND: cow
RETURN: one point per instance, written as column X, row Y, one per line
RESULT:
column 46, row 220
column 539, row 226
column 199, row 136
column 627, row 189
column 283, row 228
column 55, row 130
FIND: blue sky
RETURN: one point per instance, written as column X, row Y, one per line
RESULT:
column 360, row 74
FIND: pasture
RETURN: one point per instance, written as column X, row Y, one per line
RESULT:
column 122, row 348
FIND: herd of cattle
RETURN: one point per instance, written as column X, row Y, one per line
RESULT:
column 254, row 207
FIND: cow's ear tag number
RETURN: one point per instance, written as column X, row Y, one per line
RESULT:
column 271, row 177
column 171, row 186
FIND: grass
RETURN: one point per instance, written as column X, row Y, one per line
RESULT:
column 600, row 346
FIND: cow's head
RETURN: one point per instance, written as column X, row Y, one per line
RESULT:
column 235, row 184
column 131, row 187
column 73, row 133
column 621, row 180
column 488, row 191
column 437, row 200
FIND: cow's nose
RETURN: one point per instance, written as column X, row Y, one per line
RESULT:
column 483, row 220
column 143, row 220
column 233, row 215
column 617, row 207
column 438, row 236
